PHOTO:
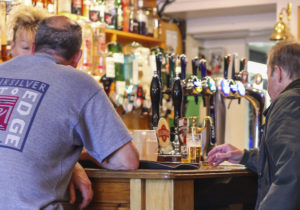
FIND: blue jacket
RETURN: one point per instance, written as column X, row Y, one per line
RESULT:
column 277, row 161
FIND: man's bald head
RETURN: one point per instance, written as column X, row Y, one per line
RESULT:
column 58, row 35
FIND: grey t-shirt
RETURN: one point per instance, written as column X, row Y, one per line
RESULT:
column 48, row 112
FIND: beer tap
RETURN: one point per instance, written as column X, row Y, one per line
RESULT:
column 183, row 62
column 209, row 89
column 208, row 84
column 172, row 66
column 243, row 74
column 224, row 83
column 155, row 89
column 192, row 85
column 232, row 82
column 177, row 94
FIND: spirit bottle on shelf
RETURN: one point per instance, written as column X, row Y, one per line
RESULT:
column 86, row 61
column 141, row 19
column 86, row 8
column 119, row 17
column 133, row 24
column 126, row 12
column 110, row 15
column 98, row 48
column 76, row 7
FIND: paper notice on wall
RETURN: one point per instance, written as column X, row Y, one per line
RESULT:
column 171, row 40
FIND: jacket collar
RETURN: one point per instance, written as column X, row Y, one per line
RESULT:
column 292, row 85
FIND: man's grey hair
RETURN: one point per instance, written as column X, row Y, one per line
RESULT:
column 60, row 38
column 286, row 54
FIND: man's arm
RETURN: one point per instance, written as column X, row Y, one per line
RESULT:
column 225, row 152
column 126, row 157
column 81, row 181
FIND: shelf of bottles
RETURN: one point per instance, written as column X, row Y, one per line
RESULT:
column 118, row 36
column 118, row 39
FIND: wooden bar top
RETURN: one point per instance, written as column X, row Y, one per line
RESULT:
column 202, row 172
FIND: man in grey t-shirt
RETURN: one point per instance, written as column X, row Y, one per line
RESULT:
column 48, row 112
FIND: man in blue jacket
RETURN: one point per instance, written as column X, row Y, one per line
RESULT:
column 277, row 161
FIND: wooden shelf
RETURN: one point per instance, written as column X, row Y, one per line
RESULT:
column 126, row 37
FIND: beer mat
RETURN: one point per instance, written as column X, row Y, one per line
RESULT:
column 146, row 164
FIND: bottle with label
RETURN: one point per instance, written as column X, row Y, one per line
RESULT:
column 76, row 7
column 98, row 48
column 96, row 12
column 51, row 6
column 141, row 18
column 119, row 11
column 86, row 8
column 118, row 58
column 110, row 16
column 156, row 22
column 39, row 3
column 126, row 11
column 149, row 22
column 133, row 24
column 86, row 61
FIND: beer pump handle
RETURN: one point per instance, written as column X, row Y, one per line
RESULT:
column 177, row 96
column 195, row 65
column 233, row 67
column 172, row 66
column 158, row 59
column 243, row 62
column 202, row 68
column 155, row 91
column 183, row 62
column 226, row 65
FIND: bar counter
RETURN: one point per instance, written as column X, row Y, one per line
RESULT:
column 222, row 187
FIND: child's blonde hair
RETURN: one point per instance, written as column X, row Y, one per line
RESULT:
column 26, row 18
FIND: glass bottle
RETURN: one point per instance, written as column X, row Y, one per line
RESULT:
column 51, row 6
column 76, row 7
column 118, row 57
column 110, row 15
column 149, row 22
column 141, row 19
column 98, row 48
column 119, row 17
column 126, row 12
column 86, row 8
column 85, row 63
column 39, row 3
column 133, row 24
column 156, row 26
column 97, row 10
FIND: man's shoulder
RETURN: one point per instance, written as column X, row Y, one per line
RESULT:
column 288, row 101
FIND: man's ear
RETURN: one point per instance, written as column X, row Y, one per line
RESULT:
column 278, row 73
column 75, row 59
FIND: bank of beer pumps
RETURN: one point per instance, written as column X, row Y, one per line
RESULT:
column 181, row 87
column 211, row 90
